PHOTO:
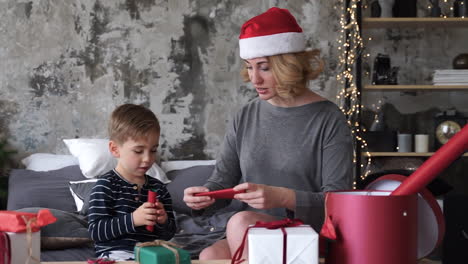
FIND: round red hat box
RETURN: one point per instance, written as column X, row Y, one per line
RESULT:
column 431, row 224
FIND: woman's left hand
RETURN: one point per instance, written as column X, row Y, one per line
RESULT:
column 261, row 196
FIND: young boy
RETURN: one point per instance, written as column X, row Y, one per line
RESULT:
column 118, row 209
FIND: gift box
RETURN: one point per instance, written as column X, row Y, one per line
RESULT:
column 26, row 248
column 23, row 230
column 285, row 245
column 161, row 252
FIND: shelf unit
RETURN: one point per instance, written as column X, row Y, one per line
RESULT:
column 417, row 87
column 372, row 24
column 399, row 22
column 401, row 154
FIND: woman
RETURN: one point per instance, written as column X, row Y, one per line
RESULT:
column 286, row 147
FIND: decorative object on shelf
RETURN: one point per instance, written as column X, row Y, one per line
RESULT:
column 405, row 8
column 447, row 124
column 460, row 61
column 393, row 78
column 405, row 142
column 457, row 76
column 376, row 10
column 460, row 8
column 435, row 8
column 421, row 143
column 387, row 7
column 383, row 73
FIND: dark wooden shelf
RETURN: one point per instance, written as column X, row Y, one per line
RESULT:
column 401, row 154
column 395, row 22
column 416, row 87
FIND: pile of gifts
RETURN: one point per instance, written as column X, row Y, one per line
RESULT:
column 21, row 231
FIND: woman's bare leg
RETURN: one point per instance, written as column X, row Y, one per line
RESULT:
column 238, row 224
column 219, row 250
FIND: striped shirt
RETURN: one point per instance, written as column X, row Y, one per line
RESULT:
column 112, row 202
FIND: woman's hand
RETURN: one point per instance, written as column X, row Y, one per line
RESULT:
column 197, row 202
column 262, row 196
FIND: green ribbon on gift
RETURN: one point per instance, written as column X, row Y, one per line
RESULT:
column 169, row 245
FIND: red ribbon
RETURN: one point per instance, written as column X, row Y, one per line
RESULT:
column 236, row 259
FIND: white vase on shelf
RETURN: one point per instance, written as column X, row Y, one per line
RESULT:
column 387, row 7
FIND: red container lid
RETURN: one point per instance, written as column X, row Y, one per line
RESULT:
column 431, row 224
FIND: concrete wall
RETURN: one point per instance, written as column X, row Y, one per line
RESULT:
column 65, row 65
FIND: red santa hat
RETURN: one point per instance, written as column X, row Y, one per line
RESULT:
column 273, row 32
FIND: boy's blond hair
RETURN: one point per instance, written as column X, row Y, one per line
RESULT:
column 132, row 121
column 292, row 71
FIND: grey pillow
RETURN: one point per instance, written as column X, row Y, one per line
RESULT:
column 182, row 179
column 70, row 230
column 82, row 190
column 48, row 189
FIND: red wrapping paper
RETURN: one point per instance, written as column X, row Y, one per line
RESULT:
column 151, row 199
column 17, row 222
column 432, row 167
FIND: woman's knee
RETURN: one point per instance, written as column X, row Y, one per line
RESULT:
column 219, row 250
column 241, row 220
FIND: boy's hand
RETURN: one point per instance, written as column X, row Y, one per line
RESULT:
column 149, row 214
column 161, row 215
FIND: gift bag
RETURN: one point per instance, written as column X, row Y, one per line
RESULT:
column 22, row 231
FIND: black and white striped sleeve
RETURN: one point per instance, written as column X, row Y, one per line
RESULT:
column 104, row 223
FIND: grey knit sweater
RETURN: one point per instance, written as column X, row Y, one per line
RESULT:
column 306, row 148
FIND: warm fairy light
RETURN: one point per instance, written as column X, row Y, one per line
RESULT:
column 348, row 97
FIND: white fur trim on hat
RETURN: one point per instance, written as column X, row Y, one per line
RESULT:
column 269, row 45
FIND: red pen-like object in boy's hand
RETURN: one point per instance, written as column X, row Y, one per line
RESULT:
column 220, row 194
column 151, row 199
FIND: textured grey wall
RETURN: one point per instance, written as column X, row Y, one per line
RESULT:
column 65, row 65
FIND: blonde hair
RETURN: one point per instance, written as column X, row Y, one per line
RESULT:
column 292, row 71
column 132, row 121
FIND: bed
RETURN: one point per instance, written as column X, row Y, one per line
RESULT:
column 62, row 184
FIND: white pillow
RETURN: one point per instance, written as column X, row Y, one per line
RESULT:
column 48, row 161
column 95, row 158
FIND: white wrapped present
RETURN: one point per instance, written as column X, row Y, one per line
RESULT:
column 26, row 248
column 268, row 246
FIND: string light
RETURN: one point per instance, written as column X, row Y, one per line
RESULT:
column 348, row 97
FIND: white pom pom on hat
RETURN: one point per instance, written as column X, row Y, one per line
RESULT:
column 274, row 32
